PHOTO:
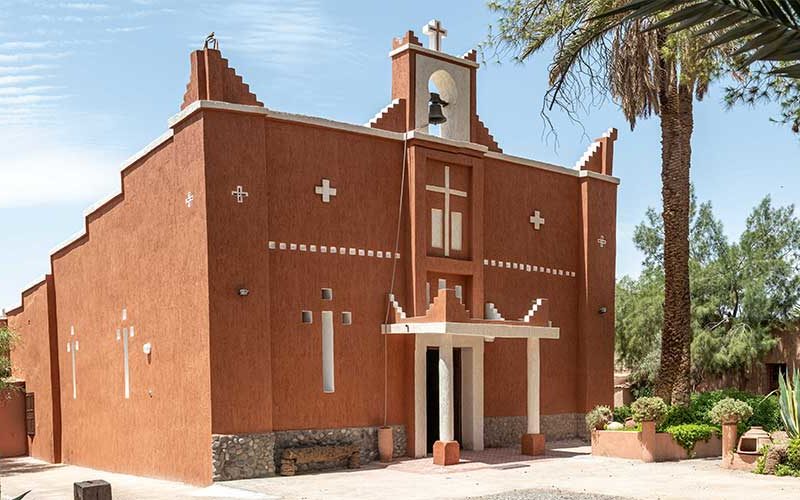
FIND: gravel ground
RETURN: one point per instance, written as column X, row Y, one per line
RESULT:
column 546, row 495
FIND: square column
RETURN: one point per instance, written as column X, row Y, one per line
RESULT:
column 533, row 441
column 446, row 451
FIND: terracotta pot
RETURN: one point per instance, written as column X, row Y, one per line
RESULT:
column 752, row 440
column 385, row 444
column 729, row 433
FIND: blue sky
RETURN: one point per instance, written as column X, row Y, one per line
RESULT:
column 85, row 84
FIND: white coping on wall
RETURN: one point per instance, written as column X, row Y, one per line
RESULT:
column 27, row 288
column 483, row 329
column 322, row 122
column 433, row 53
column 380, row 113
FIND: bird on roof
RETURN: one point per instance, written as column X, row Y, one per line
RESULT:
column 211, row 41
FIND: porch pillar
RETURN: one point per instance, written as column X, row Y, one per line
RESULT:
column 446, row 451
column 533, row 440
column 446, row 415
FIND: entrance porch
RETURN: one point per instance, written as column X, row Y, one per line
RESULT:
column 446, row 329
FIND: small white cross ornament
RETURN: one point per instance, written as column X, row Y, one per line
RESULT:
column 122, row 334
column 537, row 220
column 602, row 241
column 72, row 347
column 435, row 34
column 240, row 194
column 325, row 190
column 189, row 199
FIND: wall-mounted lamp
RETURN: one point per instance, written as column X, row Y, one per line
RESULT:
column 147, row 348
column 602, row 310
column 244, row 292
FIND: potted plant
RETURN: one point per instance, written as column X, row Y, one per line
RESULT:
column 647, row 411
column 598, row 418
column 728, row 413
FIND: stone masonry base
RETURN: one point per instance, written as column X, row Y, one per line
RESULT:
column 501, row 432
column 244, row 456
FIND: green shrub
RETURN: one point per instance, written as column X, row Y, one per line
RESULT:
column 786, row 470
column 679, row 415
column 730, row 410
column 793, row 454
column 687, row 435
column 622, row 413
column 766, row 411
column 598, row 418
column 648, row 409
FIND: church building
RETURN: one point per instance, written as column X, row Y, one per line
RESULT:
column 265, row 280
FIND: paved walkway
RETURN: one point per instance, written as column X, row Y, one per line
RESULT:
column 567, row 472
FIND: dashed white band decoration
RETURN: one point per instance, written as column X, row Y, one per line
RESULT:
column 521, row 266
column 333, row 250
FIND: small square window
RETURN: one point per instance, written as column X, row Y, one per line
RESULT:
column 308, row 317
column 347, row 318
column 327, row 294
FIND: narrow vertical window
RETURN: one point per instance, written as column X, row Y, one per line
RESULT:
column 460, row 293
column 437, row 223
column 30, row 414
column 455, row 229
column 442, row 283
column 327, row 351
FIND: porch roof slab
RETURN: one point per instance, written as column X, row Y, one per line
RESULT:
column 491, row 329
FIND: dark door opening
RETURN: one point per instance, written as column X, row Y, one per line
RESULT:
column 432, row 390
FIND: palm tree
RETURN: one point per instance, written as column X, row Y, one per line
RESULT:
column 769, row 30
column 646, row 72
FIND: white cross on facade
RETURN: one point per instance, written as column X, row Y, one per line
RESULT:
column 189, row 199
column 435, row 34
column 602, row 241
column 240, row 194
column 447, row 192
column 72, row 347
column 122, row 334
column 537, row 220
column 327, row 339
column 325, row 190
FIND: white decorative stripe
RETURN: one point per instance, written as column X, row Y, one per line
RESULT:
column 379, row 114
column 529, row 268
column 350, row 251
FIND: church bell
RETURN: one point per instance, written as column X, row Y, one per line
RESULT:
column 435, row 114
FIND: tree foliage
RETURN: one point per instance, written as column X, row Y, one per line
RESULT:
column 7, row 340
column 742, row 291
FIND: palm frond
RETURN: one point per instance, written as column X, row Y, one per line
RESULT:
column 768, row 30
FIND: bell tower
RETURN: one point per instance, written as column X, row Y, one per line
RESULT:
column 417, row 70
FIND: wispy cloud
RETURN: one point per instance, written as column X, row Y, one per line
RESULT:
column 90, row 6
column 17, row 79
column 28, row 99
column 57, row 174
column 17, row 58
column 283, row 35
column 33, row 89
column 125, row 29
column 22, row 45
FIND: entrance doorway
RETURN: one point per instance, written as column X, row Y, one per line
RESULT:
column 432, row 396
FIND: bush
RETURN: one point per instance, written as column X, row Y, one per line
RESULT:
column 622, row 413
column 687, row 435
column 597, row 419
column 730, row 410
column 766, row 412
column 793, row 454
column 648, row 409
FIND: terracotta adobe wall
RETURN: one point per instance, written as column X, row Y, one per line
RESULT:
column 513, row 192
column 263, row 356
column 145, row 251
column 35, row 360
column 13, row 440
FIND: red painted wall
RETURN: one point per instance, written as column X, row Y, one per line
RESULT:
column 35, row 360
column 145, row 251
column 13, row 439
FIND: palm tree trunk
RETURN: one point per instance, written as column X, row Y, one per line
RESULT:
column 674, row 380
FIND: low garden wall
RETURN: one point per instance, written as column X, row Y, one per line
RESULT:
column 650, row 446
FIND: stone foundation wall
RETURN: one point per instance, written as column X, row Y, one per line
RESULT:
column 501, row 432
column 243, row 456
